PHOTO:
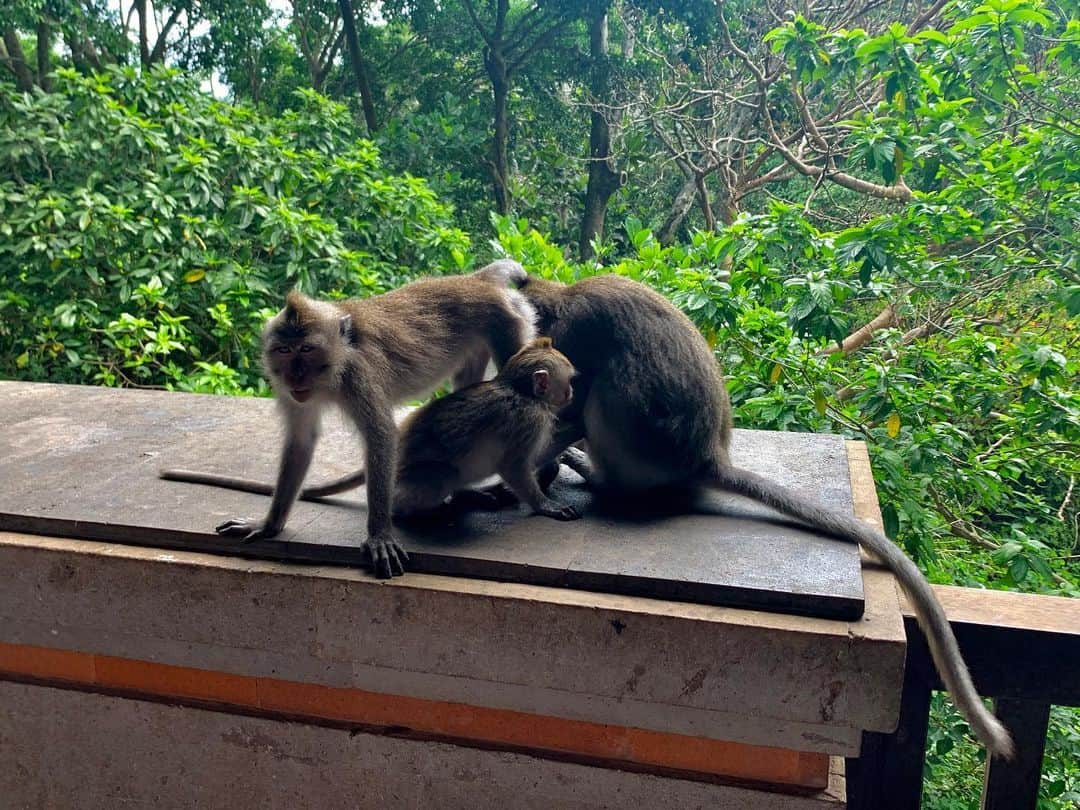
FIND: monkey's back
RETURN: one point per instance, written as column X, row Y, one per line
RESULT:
column 657, row 410
column 416, row 335
column 473, row 428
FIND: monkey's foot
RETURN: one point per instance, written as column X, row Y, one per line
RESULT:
column 387, row 557
column 558, row 511
column 246, row 530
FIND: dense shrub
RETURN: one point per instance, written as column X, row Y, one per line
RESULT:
column 147, row 229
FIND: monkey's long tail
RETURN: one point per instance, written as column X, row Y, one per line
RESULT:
column 350, row 481
column 943, row 647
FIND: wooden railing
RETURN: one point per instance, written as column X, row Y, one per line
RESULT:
column 1023, row 651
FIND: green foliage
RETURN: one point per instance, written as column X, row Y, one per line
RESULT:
column 146, row 230
column 954, row 764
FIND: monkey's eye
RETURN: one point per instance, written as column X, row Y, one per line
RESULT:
column 305, row 348
column 283, row 350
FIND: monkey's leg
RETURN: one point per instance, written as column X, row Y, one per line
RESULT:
column 520, row 476
column 421, row 490
column 577, row 460
column 566, row 434
column 301, row 433
column 509, row 332
column 472, row 371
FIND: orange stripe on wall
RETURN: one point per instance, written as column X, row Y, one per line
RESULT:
column 453, row 720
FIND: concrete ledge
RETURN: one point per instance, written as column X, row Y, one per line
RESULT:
column 642, row 665
column 115, row 752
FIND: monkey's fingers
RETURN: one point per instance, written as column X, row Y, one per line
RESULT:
column 387, row 558
column 559, row 512
column 236, row 527
column 247, row 530
column 568, row 513
column 503, row 495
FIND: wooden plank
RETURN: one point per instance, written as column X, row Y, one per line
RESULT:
column 1017, row 645
column 1014, row 785
column 66, row 748
column 85, row 464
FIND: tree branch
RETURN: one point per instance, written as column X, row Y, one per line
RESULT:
column 861, row 336
column 158, row 53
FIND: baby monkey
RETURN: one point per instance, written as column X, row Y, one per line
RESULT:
column 498, row 427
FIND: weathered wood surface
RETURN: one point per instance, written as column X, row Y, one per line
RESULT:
column 83, row 462
column 1017, row 645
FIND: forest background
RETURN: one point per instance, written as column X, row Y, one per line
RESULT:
column 869, row 208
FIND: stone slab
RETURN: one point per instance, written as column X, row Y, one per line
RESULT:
column 62, row 748
column 83, row 462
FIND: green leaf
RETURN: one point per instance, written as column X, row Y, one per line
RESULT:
column 1018, row 569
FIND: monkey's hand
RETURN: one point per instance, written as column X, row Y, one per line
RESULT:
column 387, row 557
column 558, row 511
column 247, row 530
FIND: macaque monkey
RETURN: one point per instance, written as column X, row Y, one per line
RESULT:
column 653, row 410
column 496, row 427
column 366, row 356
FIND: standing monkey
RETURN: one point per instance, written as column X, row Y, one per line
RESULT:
column 654, row 412
column 366, row 356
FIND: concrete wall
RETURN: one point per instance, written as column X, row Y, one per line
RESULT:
column 62, row 749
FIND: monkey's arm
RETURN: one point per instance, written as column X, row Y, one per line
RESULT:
column 380, row 435
column 520, row 475
column 302, row 431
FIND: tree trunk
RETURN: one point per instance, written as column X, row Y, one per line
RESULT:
column 603, row 180
column 16, row 62
column 360, row 72
column 500, row 163
column 144, row 44
column 44, row 46
column 684, row 201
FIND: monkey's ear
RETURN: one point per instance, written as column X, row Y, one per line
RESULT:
column 345, row 325
column 541, row 380
column 294, row 301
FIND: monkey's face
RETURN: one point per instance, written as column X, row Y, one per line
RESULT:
column 298, row 367
column 299, row 361
column 303, row 348
column 554, row 383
